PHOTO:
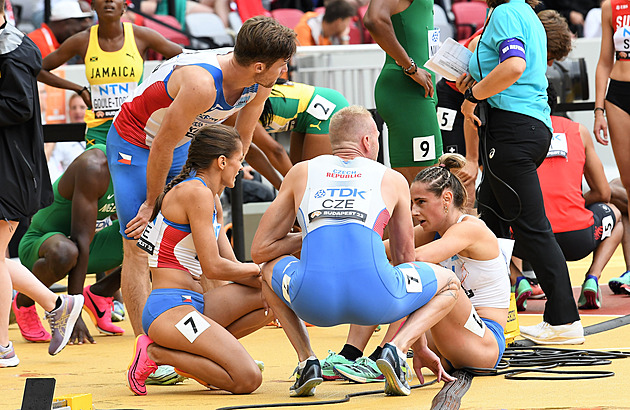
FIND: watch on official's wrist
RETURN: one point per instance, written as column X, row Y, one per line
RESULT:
column 468, row 94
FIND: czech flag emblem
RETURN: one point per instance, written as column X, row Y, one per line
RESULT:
column 124, row 158
column 186, row 299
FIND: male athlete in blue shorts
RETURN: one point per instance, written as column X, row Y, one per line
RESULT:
column 343, row 202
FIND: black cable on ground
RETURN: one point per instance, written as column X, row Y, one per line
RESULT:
column 317, row 403
column 519, row 360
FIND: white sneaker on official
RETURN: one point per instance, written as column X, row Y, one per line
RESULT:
column 546, row 334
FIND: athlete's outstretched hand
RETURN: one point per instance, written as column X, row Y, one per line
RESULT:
column 80, row 333
column 424, row 357
column 423, row 77
column 139, row 222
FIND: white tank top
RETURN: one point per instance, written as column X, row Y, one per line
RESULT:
column 487, row 283
column 340, row 192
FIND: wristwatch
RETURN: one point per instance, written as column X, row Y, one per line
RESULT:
column 468, row 94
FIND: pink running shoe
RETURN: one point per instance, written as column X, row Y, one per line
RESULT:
column 29, row 323
column 141, row 366
column 99, row 308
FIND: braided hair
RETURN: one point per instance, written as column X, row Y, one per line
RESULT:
column 208, row 144
column 440, row 177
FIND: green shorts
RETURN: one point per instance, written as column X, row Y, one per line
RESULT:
column 307, row 123
column 105, row 249
column 413, row 129
column 98, row 134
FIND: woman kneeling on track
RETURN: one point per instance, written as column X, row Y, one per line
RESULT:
column 472, row 334
column 191, row 321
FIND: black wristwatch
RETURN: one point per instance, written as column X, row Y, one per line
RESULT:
column 468, row 94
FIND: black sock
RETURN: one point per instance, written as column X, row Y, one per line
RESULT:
column 58, row 303
column 350, row 352
column 376, row 354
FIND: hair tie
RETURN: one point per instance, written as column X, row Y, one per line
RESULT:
column 443, row 166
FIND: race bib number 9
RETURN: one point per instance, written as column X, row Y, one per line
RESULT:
column 424, row 148
column 108, row 98
column 320, row 108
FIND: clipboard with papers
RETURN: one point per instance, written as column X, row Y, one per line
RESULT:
column 450, row 61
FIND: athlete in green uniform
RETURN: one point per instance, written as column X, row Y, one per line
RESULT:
column 74, row 236
column 404, row 91
column 305, row 111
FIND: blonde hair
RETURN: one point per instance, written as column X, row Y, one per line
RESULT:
column 349, row 123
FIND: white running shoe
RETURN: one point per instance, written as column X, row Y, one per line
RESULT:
column 546, row 334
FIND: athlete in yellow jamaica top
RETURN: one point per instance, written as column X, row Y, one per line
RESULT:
column 113, row 55
column 305, row 111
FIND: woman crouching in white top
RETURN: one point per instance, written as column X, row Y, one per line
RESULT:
column 471, row 335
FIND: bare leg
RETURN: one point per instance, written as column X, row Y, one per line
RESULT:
column 358, row 336
column 315, row 145
column 7, row 228
column 58, row 255
column 242, row 318
column 605, row 250
column 619, row 198
column 109, row 285
column 214, row 357
column 24, row 282
column 296, row 147
column 461, row 346
column 292, row 325
column 618, row 126
column 392, row 330
column 428, row 315
column 135, row 282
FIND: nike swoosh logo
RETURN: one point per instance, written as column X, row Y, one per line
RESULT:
column 98, row 311
column 110, row 196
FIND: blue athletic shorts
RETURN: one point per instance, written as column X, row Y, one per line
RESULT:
column 161, row 300
column 128, row 169
column 361, row 297
column 499, row 334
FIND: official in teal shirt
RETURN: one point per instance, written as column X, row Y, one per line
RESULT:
column 508, row 70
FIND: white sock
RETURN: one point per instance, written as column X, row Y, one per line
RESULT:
column 400, row 352
column 6, row 348
column 301, row 365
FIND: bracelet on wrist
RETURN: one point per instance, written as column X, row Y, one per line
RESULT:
column 83, row 89
column 412, row 69
column 468, row 94
column 598, row 109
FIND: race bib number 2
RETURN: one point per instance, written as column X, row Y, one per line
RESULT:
column 321, row 108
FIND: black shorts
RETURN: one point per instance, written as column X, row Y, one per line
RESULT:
column 450, row 118
column 618, row 92
column 579, row 244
